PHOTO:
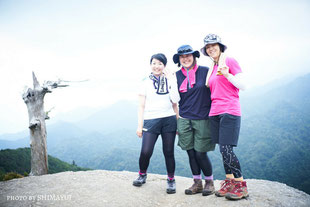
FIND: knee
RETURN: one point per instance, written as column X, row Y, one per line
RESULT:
column 221, row 148
column 225, row 149
column 145, row 153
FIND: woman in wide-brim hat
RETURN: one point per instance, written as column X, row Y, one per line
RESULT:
column 225, row 80
column 193, row 123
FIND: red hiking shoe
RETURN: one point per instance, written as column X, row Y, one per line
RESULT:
column 226, row 186
column 239, row 191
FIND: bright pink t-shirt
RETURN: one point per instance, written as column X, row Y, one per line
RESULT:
column 224, row 95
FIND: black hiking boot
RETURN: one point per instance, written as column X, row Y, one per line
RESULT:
column 171, row 186
column 140, row 180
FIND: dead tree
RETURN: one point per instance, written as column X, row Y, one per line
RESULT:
column 34, row 99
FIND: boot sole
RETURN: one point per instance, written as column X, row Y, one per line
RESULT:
column 189, row 192
column 171, row 191
column 220, row 195
column 138, row 184
column 207, row 193
column 237, row 198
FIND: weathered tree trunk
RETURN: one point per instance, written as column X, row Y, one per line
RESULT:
column 34, row 99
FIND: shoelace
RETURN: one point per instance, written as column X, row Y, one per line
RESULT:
column 225, row 183
column 141, row 177
column 194, row 186
column 237, row 188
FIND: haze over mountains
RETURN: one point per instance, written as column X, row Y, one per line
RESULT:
column 274, row 139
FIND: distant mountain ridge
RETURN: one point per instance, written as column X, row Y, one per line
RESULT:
column 274, row 138
column 294, row 93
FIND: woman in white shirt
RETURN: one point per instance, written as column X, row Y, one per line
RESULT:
column 158, row 98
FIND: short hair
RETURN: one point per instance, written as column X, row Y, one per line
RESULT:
column 161, row 57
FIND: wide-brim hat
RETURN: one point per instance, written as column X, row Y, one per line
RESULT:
column 185, row 50
column 212, row 39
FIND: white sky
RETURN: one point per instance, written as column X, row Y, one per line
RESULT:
column 110, row 43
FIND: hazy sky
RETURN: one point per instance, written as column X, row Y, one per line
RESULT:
column 110, row 43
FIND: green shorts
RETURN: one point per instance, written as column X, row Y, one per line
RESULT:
column 195, row 134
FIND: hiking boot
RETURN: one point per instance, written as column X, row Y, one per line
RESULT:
column 195, row 188
column 208, row 188
column 239, row 191
column 226, row 186
column 170, row 186
column 140, row 180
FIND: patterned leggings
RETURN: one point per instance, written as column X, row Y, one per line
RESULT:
column 230, row 160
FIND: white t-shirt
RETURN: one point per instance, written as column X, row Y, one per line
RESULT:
column 158, row 105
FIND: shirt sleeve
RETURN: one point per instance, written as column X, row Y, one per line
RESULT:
column 237, row 81
column 234, row 67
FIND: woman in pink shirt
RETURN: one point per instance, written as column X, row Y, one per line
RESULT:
column 225, row 79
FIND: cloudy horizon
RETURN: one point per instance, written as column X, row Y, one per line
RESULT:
column 110, row 43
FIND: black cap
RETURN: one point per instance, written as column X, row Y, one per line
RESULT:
column 184, row 50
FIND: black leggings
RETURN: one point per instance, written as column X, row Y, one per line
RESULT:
column 199, row 161
column 230, row 160
column 148, row 143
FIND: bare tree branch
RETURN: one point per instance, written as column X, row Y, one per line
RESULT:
column 36, row 83
column 75, row 81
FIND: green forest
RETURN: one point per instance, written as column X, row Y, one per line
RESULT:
column 18, row 161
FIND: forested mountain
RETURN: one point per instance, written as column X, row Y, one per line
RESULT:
column 274, row 140
column 18, row 161
column 275, row 137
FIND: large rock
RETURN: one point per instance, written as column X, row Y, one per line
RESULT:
column 111, row 188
